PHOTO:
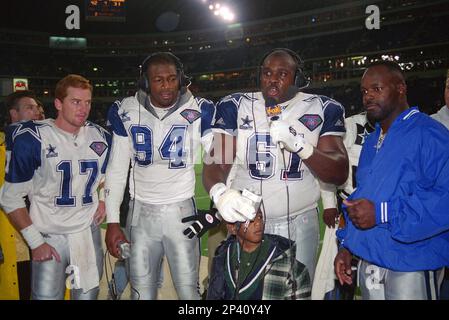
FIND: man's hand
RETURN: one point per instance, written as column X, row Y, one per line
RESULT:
column 330, row 216
column 281, row 131
column 44, row 252
column 202, row 222
column 231, row 205
column 342, row 266
column 361, row 212
column 114, row 235
column 100, row 214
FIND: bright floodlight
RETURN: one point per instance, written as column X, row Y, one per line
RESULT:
column 226, row 13
column 211, row 7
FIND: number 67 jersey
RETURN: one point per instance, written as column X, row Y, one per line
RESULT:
column 59, row 171
column 261, row 164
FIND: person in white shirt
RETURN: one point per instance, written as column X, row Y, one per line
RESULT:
column 160, row 131
column 59, row 164
column 282, row 141
column 443, row 114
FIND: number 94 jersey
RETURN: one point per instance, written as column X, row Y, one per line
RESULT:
column 163, row 149
column 59, row 171
column 261, row 165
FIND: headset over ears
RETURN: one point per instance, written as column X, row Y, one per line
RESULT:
column 300, row 78
column 143, row 82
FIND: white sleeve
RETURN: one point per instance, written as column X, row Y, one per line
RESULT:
column 12, row 195
column 116, row 174
column 328, row 195
column 351, row 133
column 206, row 141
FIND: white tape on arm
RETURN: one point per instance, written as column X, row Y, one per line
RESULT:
column 32, row 236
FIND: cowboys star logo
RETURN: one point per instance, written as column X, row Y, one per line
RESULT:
column 51, row 152
column 246, row 123
column 362, row 133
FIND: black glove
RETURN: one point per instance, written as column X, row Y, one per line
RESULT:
column 202, row 222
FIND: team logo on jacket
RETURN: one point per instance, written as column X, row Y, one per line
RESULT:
column 98, row 147
column 190, row 115
column 246, row 124
column 311, row 121
column 51, row 152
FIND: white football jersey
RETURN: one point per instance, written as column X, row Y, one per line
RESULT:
column 357, row 130
column 162, row 151
column 59, row 171
column 261, row 165
column 442, row 116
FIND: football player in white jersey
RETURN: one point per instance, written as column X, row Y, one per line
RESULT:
column 60, row 164
column 159, row 131
column 443, row 114
column 358, row 127
column 283, row 141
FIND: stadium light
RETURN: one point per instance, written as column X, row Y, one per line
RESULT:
column 226, row 13
column 220, row 10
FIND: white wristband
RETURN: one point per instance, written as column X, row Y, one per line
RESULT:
column 306, row 151
column 101, row 194
column 32, row 236
column 216, row 191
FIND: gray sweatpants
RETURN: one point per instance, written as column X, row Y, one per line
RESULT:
column 304, row 230
column 155, row 231
column 49, row 277
column 377, row 283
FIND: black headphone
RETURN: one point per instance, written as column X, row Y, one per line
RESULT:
column 300, row 79
column 143, row 82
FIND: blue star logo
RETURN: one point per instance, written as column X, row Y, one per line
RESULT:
column 51, row 151
column 246, row 123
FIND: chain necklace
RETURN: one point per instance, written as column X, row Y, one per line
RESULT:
column 380, row 141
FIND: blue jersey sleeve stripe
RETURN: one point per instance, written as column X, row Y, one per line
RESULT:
column 115, row 122
column 334, row 118
column 207, row 116
column 226, row 115
column 9, row 136
column 106, row 160
column 25, row 158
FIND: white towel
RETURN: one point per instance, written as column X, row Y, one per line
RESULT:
column 323, row 281
column 82, row 257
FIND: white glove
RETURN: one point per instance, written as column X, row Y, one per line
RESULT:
column 231, row 205
column 282, row 132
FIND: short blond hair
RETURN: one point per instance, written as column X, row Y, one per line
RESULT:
column 71, row 80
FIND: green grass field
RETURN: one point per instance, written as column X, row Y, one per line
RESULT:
column 203, row 202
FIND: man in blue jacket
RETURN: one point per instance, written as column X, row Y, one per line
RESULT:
column 398, row 218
